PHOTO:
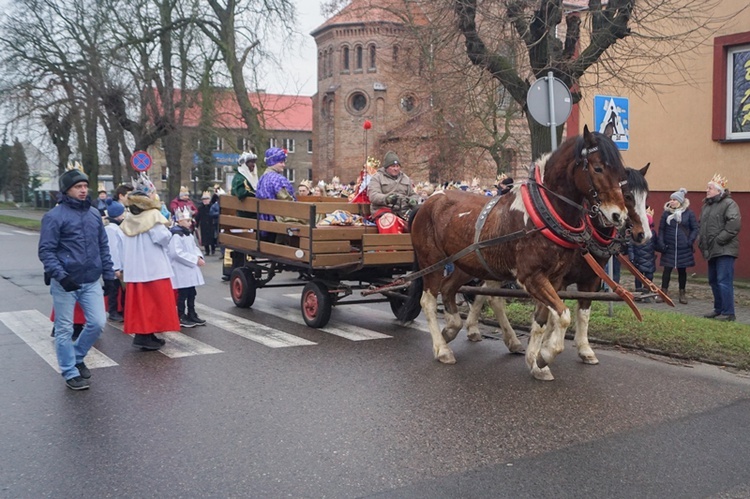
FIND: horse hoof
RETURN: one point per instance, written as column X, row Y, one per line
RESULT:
column 543, row 374
column 587, row 356
column 540, row 361
column 449, row 336
column 446, row 356
column 474, row 336
column 516, row 348
column 589, row 359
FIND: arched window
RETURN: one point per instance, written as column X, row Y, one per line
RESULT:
column 373, row 53
column 345, row 59
column 330, row 62
column 359, row 55
column 395, row 56
column 321, row 73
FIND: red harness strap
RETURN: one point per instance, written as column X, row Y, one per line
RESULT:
column 537, row 219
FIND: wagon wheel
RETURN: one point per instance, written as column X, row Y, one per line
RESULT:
column 406, row 308
column 316, row 304
column 242, row 286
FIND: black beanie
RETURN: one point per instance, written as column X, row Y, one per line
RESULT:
column 71, row 178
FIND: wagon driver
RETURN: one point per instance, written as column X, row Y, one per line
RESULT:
column 391, row 192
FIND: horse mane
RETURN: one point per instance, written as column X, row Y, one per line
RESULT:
column 636, row 181
column 607, row 150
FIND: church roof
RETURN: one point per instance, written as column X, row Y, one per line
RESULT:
column 276, row 111
column 375, row 11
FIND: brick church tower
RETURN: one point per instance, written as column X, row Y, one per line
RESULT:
column 364, row 59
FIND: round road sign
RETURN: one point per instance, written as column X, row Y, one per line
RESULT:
column 141, row 161
column 537, row 100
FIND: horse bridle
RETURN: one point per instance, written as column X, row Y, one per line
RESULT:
column 595, row 210
column 588, row 237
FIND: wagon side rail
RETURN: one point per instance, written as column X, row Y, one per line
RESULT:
column 304, row 244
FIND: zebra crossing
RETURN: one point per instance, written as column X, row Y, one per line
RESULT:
column 33, row 328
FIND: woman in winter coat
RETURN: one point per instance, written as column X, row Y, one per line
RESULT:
column 643, row 256
column 678, row 230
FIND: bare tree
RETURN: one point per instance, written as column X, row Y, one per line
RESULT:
column 237, row 41
column 620, row 40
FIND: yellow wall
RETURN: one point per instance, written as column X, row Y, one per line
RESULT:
column 672, row 129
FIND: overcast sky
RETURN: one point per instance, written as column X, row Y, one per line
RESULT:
column 300, row 65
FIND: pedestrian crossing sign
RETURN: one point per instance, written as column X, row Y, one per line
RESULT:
column 613, row 112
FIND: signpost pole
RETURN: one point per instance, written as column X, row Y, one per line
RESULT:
column 552, row 124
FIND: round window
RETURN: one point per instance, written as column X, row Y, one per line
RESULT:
column 357, row 102
column 408, row 103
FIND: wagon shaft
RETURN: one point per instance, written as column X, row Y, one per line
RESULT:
column 519, row 293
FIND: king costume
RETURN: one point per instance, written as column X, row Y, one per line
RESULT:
column 150, row 305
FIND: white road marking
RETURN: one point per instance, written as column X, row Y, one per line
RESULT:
column 179, row 345
column 353, row 333
column 259, row 333
column 5, row 233
column 27, row 233
column 34, row 328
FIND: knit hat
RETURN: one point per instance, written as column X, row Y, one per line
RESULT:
column 390, row 159
column 115, row 209
column 71, row 178
column 274, row 156
column 679, row 195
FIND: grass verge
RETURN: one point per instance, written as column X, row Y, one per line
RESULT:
column 671, row 333
column 24, row 223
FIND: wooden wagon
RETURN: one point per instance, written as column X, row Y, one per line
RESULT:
column 331, row 261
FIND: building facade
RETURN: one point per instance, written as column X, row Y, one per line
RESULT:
column 381, row 87
column 286, row 121
column 694, row 124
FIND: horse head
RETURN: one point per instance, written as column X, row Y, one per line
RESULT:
column 635, row 193
column 602, row 177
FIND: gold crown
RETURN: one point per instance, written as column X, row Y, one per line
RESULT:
column 650, row 211
column 183, row 213
column 75, row 166
column 719, row 180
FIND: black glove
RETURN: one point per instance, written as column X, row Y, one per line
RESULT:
column 413, row 202
column 110, row 285
column 69, row 284
column 391, row 199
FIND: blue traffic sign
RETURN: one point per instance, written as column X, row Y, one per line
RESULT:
column 613, row 112
column 141, row 161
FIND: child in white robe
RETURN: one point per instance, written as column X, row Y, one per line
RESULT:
column 186, row 259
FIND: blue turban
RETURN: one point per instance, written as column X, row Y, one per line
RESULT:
column 275, row 155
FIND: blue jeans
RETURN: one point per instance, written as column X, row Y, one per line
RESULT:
column 91, row 299
column 721, row 280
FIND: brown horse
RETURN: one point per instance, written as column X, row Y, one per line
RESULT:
column 587, row 169
column 602, row 246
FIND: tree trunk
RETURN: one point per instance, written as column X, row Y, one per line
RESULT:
column 541, row 140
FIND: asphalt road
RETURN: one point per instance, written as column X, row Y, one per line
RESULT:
column 256, row 405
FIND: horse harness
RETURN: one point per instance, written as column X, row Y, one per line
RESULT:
column 585, row 236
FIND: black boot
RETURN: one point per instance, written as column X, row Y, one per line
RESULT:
column 145, row 342
column 157, row 339
column 193, row 316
